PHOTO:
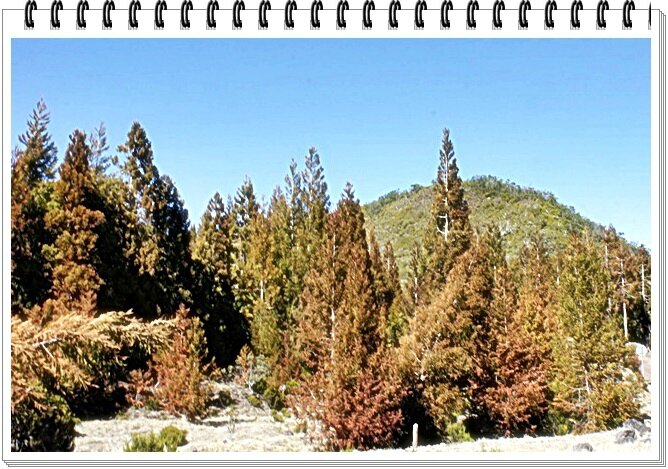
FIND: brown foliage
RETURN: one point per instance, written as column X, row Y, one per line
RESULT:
column 176, row 377
column 361, row 411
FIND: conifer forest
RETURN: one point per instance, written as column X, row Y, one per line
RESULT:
column 119, row 300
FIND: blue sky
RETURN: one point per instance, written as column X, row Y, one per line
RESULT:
column 571, row 117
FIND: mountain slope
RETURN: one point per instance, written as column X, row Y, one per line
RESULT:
column 400, row 216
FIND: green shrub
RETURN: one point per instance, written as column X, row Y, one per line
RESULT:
column 145, row 443
column 173, row 437
column 224, row 398
column 274, row 397
column 558, row 423
column 253, row 400
column 277, row 416
column 51, row 428
column 457, row 433
column 168, row 440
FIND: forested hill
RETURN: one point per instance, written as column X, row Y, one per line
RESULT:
column 400, row 216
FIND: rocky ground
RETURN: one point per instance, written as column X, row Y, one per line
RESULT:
column 242, row 426
column 238, row 426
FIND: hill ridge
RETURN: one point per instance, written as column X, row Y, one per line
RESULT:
column 400, row 216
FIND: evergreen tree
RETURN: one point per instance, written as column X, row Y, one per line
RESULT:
column 74, row 275
column 437, row 353
column 172, row 231
column 316, row 200
column 347, row 383
column 31, row 175
column 244, row 210
column 448, row 233
column 398, row 315
column 629, row 269
column 225, row 329
column 115, row 263
column 162, row 235
column 265, row 288
column 387, row 286
column 417, row 288
column 592, row 386
column 509, row 383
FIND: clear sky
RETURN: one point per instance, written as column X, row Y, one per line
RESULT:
column 571, row 117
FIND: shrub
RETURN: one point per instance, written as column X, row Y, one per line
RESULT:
column 277, row 416
column 456, row 433
column 145, row 443
column 50, row 352
column 173, row 437
column 253, row 400
column 43, row 425
column 176, row 376
column 168, row 439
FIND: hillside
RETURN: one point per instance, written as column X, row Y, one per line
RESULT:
column 400, row 216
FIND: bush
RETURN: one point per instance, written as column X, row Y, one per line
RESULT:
column 51, row 367
column 44, row 425
column 173, row 437
column 168, row 440
column 253, row 400
column 456, row 433
column 145, row 443
column 277, row 416
column 178, row 370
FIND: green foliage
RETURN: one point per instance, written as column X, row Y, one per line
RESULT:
column 173, row 437
column 44, row 424
column 457, row 433
column 31, row 192
column 520, row 212
column 145, row 443
column 254, row 400
column 448, row 231
column 226, row 330
column 161, row 241
column 168, row 439
column 276, row 415
column 592, row 384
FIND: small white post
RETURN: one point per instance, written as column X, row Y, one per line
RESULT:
column 415, row 436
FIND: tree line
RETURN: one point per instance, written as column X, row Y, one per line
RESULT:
column 471, row 344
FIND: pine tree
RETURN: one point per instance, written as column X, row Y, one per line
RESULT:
column 628, row 269
column 115, row 261
column 244, row 210
column 591, row 382
column 162, row 235
column 347, row 382
column 316, row 200
column 31, row 188
column 448, row 232
column 436, row 355
column 74, row 250
column 509, row 383
column 225, row 329
column 417, row 287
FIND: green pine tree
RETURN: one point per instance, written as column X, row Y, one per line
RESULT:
column 448, row 233
column 32, row 171
column 593, row 386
